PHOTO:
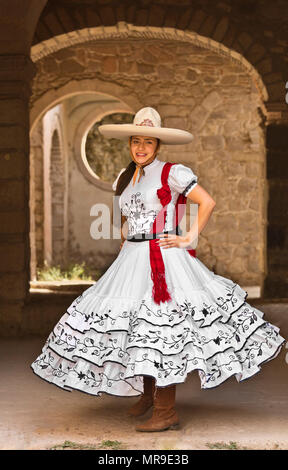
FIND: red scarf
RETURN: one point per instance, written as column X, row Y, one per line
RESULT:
column 160, row 292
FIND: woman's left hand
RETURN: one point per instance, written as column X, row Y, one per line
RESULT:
column 169, row 240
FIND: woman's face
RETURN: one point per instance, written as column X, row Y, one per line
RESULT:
column 143, row 148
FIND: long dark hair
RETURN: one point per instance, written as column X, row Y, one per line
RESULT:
column 125, row 177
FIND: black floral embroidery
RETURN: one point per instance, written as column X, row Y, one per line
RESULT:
column 172, row 315
column 139, row 218
column 108, row 348
column 65, row 354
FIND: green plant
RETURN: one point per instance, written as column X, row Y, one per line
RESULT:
column 111, row 444
column 73, row 445
column 223, row 445
column 73, row 271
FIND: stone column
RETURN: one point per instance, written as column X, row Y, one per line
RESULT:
column 16, row 73
column 276, row 283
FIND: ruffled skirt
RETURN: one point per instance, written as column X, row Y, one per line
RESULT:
column 113, row 333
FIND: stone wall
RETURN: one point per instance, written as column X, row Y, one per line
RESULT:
column 256, row 29
column 216, row 100
column 36, row 198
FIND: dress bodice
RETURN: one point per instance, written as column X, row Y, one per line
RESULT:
column 140, row 203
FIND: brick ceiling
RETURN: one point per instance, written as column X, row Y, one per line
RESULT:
column 62, row 16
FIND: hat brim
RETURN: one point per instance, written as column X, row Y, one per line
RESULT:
column 166, row 135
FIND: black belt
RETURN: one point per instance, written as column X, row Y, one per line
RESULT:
column 142, row 237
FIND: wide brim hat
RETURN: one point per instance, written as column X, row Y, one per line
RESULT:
column 147, row 122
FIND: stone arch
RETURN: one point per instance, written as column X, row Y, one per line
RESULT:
column 125, row 30
column 44, row 142
column 48, row 225
column 57, row 184
column 228, row 150
column 51, row 97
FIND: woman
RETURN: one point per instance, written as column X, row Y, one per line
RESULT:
column 157, row 313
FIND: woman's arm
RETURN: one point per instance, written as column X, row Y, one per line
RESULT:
column 205, row 209
column 206, row 206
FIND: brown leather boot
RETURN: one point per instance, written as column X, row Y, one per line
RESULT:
column 164, row 414
column 146, row 400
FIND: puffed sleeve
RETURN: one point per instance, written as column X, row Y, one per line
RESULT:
column 114, row 184
column 182, row 179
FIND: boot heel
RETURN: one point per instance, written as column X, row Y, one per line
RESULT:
column 174, row 426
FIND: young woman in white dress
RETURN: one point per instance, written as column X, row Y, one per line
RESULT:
column 140, row 331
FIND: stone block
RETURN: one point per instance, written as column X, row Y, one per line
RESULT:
column 124, row 49
column 13, row 136
column 255, row 53
column 230, row 79
column 12, row 111
column 197, row 20
column 145, row 68
column 208, row 26
column 120, row 12
column 221, row 29
column 12, row 195
column 157, row 15
column 264, row 66
column 167, row 109
column 237, row 265
column 229, row 36
column 231, row 126
column 192, row 75
column 128, row 67
column 107, row 50
column 141, row 17
column 148, row 57
column 213, row 142
column 255, row 203
column 255, row 168
column 198, row 117
column 67, row 20
column 12, row 165
column 109, row 65
column 13, row 222
column 255, row 263
column 55, row 27
column 107, row 15
column 12, row 257
column 165, row 73
column 245, row 40
column 247, row 185
column 130, row 13
column 184, row 18
column 212, row 100
column 174, row 122
column 13, row 286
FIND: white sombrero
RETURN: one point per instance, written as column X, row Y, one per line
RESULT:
column 147, row 121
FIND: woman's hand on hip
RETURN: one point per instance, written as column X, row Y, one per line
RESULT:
column 170, row 240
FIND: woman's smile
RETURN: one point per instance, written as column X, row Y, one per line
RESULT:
column 143, row 148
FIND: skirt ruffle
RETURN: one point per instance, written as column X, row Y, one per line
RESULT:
column 113, row 333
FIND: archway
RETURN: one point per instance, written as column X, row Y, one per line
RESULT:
column 57, row 184
column 217, row 94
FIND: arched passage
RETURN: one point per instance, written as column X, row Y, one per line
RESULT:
column 217, row 94
column 57, row 184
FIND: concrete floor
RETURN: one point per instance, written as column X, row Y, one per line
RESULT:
column 39, row 415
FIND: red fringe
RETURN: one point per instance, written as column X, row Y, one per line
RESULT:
column 159, row 291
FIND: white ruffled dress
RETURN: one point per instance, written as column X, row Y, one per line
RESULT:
column 114, row 333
